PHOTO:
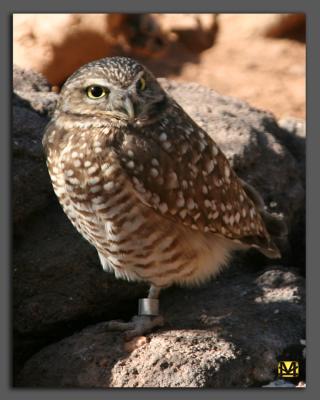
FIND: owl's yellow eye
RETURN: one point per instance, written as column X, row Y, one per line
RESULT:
column 96, row 92
column 141, row 84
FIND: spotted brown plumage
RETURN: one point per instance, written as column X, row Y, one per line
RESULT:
column 143, row 183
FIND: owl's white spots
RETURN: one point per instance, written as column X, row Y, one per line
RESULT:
column 74, row 181
column 98, row 200
column 77, row 163
column 74, row 154
column 163, row 207
column 207, row 203
column 209, row 166
column 130, row 164
column 109, row 186
column 94, row 180
column 155, row 162
column 252, row 212
column 194, row 170
column 184, row 184
column 154, row 172
column 163, row 137
column 87, row 163
column 183, row 213
column 215, row 215
column 225, row 218
column 204, row 189
column 190, row 204
column 155, row 199
column 237, row 217
column 188, row 130
column 136, row 180
column 222, row 207
column 244, row 212
column 223, row 230
column 92, row 170
column 197, row 216
column 227, row 172
column 217, row 182
column 231, row 220
column 55, row 170
column 241, row 198
column 194, row 227
column 202, row 145
column 98, row 150
column 130, row 153
column 95, row 189
column 166, row 145
column 172, row 182
column 229, row 206
column 214, row 150
column 252, row 224
column 184, row 148
column 109, row 169
column 206, row 229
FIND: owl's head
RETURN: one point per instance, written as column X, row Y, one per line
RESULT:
column 115, row 87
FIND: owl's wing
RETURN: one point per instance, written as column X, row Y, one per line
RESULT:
column 179, row 171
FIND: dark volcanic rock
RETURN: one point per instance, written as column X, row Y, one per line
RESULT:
column 226, row 334
column 31, row 103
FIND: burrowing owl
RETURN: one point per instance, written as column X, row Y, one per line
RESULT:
column 145, row 185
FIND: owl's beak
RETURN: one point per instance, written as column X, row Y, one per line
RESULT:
column 128, row 106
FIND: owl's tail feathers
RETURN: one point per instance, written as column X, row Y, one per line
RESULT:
column 274, row 223
column 271, row 252
column 277, row 229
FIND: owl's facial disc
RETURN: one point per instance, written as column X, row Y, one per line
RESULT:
column 133, row 96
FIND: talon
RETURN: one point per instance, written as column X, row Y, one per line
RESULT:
column 138, row 326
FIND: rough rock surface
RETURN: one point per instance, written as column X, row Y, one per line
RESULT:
column 31, row 103
column 58, row 284
column 232, row 334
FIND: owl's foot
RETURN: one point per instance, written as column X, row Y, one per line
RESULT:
column 139, row 325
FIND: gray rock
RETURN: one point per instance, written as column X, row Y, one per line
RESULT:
column 226, row 334
column 31, row 187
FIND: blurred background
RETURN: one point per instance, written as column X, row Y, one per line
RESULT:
column 259, row 58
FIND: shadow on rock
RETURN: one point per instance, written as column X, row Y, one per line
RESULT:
column 226, row 334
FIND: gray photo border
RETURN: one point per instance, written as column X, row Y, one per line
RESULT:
column 313, row 197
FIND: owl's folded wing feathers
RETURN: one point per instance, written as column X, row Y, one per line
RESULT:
column 179, row 171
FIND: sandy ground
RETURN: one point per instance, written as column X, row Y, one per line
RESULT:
column 268, row 73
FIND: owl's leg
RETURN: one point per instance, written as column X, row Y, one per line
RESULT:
column 147, row 319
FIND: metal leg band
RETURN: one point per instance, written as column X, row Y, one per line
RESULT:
column 148, row 306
